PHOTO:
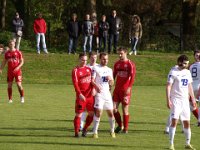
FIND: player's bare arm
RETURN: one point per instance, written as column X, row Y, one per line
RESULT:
column 191, row 94
column 110, row 81
column 168, row 90
column 82, row 97
column 3, row 65
column 96, row 86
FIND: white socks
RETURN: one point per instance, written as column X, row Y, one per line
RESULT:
column 96, row 121
column 187, row 133
column 172, row 131
column 112, row 124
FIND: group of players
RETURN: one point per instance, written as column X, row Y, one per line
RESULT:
column 93, row 85
column 182, row 92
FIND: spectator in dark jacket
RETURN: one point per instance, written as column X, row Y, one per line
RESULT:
column 88, row 31
column 103, row 33
column 115, row 25
column 73, row 29
column 18, row 25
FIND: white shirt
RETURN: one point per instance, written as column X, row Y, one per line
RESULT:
column 179, row 80
column 92, row 66
column 100, row 74
column 195, row 72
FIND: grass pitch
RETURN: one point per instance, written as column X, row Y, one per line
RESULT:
column 45, row 121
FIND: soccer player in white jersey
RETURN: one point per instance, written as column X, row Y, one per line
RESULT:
column 178, row 88
column 195, row 71
column 102, row 80
column 93, row 60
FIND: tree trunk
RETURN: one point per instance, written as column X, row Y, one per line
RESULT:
column 3, row 14
column 189, row 24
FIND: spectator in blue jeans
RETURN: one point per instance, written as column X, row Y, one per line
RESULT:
column 88, row 31
column 40, row 29
column 115, row 25
column 135, row 33
column 73, row 28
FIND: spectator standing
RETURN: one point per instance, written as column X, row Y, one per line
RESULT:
column 135, row 33
column 18, row 25
column 96, row 31
column 40, row 28
column 15, row 61
column 73, row 28
column 88, row 31
column 103, row 33
column 124, row 72
column 178, row 88
column 115, row 25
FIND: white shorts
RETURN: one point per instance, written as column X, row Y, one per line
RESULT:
column 103, row 102
column 180, row 108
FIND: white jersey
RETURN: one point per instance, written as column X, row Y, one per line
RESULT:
column 179, row 80
column 195, row 72
column 92, row 66
column 100, row 74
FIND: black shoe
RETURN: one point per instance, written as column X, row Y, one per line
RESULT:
column 198, row 124
column 84, row 133
column 118, row 129
column 76, row 135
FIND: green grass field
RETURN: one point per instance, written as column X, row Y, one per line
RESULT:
column 45, row 121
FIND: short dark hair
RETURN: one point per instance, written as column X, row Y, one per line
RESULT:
column 182, row 58
column 81, row 55
column 196, row 51
column 102, row 54
column 92, row 54
column 123, row 49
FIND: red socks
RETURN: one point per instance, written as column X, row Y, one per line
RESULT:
column 118, row 119
column 10, row 93
column 77, row 121
column 126, row 121
column 88, row 121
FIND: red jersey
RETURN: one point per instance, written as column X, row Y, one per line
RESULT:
column 124, row 72
column 81, row 77
column 39, row 26
column 13, row 59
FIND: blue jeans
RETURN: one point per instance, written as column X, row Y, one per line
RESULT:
column 42, row 36
column 113, row 38
column 86, row 38
column 72, row 44
column 134, row 42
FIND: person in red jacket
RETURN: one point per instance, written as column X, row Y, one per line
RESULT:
column 40, row 27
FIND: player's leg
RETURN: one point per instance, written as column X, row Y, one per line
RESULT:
column 96, row 121
column 168, row 124
column 111, row 122
column 21, row 91
column 117, row 117
column 9, row 89
column 83, row 117
column 90, row 109
column 172, row 131
column 126, row 116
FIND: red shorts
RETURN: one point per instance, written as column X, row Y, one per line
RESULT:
column 17, row 75
column 81, row 105
column 119, row 95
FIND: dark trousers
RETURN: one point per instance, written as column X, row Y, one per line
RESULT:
column 72, row 44
column 103, row 40
column 113, row 38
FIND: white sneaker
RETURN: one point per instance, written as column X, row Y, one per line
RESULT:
column 130, row 53
column 38, row 52
column 135, row 52
column 22, row 99
column 10, row 101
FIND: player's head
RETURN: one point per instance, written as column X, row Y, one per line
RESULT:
column 103, row 58
column 93, row 57
column 11, row 44
column 122, row 51
column 183, row 62
column 82, row 59
column 197, row 55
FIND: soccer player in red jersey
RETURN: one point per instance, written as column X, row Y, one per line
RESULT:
column 124, row 72
column 15, row 61
column 81, row 77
